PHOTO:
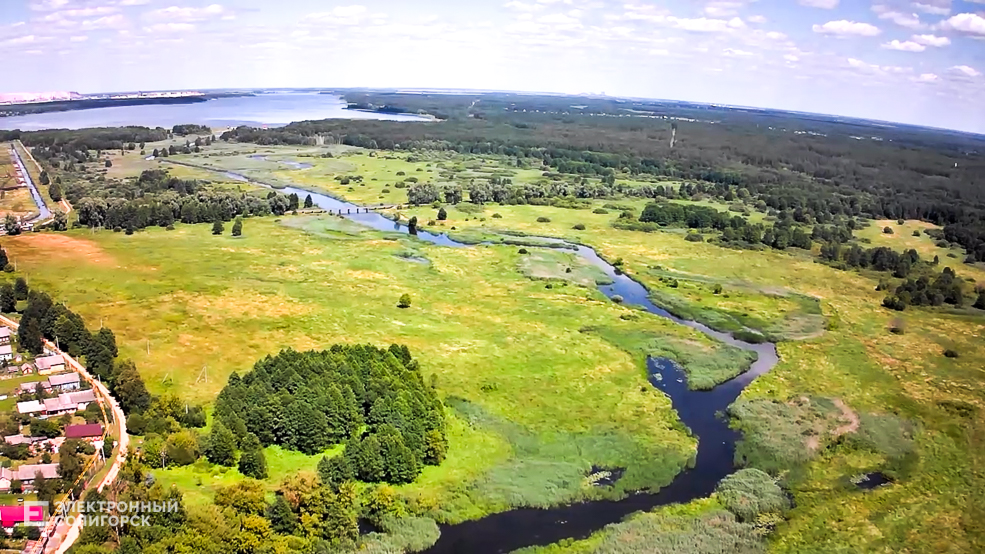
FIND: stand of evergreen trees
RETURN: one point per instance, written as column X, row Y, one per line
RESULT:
column 373, row 400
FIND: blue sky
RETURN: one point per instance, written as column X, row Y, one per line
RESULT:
column 910, row 61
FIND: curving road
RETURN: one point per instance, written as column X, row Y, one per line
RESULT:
column 119, row 419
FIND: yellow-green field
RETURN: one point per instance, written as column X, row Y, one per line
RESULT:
column 524, row 359
column 14, row 201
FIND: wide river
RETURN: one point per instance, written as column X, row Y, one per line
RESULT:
column 523, row 527
column 271, row 109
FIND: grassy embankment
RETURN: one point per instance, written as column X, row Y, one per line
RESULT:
column 532, row 360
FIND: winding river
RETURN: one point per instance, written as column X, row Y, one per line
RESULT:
column 523, row 527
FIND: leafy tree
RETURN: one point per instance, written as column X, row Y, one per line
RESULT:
column 442, row 214
column 60, row 222
column 217, row 227
column 335, row 470
column 107, row 339
column 237, row 227
column 221, row 445
column 46, row 489
column 69, row 463
column 404, row 301
column 308, row 202
column 282, row 518
column 245, row 497
column 8, row 299
column 252, row 462
column 979, row 302
column 412, row 225
column 129, row 388
column 11, row 226
column 20, row 289
column 29, row 335
column 109, row 163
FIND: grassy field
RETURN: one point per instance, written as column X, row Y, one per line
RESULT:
column 542, row 382
column 506, row 344
column 16, row 201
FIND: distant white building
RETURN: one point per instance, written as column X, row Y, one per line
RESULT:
column 6, row 352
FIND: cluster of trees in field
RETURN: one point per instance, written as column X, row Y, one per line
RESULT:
column 786, row 161
column 374, row 400
column 191, row 129
column 155, row 198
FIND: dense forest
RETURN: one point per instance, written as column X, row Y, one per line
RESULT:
column 373, row 400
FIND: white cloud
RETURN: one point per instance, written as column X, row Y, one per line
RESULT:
column 910, row 21
column 906, row 46
column 931, row 40
column 926, row 78
column 79, row 38
column 933, row 9
column 722, row 8
column 966, row 71
column 134, row 2
column 344, row 16
column 170, row 28
column 705, row 25
column 823, row 4
column 775, row 35
column 523, row 6
column 790, row 58
column 658, row 52
column 756, row 19
column 845, row 28
column 175, row 13
column 48, row 5
column 736, row 53
column 966, row 23
column 875, row 68
column 17, row 41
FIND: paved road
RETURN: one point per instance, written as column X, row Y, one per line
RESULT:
column 119, row 420
column 35, row 193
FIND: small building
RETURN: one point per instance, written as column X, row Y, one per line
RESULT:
column 31, row 407
column 64, row 382
column 88, row 431
column 27, row 369
column 68, row 402
column 50, row 364
column 4, row 335
column 11, row 516
column 6, row 351
column 31, row 387
column 26, row 474
column 14, row 440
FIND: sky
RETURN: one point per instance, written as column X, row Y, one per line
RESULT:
column 920, row 62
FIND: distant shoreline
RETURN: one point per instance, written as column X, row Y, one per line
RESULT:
column 13, row 110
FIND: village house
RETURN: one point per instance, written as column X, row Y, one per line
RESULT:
column 28, row 387
column 26, row 475
column 6, row 352
column 14, row 440
column 26, row 369
column 64, row 382
column 64, row 403
column 88, row 431
column 50, row 364
column 4, row 335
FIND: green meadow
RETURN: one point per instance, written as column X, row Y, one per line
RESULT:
column 543, row 376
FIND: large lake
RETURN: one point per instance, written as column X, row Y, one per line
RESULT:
column 272, row 109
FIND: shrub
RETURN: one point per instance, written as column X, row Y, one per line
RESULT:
column 543, row 219
column 404, row 301
column 496, row 216
column 600, row 211
column 949, row 353
column 400, row 173
column 400, row 186
column 887, row 230
column 717, row 289
column 579, row 227
column 900, row 221
column 522, row 251
column 916, row 233
column 694, row 237
column 385, row 191
column 747, row 493
column 617, row 299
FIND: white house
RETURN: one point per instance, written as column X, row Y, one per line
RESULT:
column 4, row 335
column 64, row 382
column 6, row 351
